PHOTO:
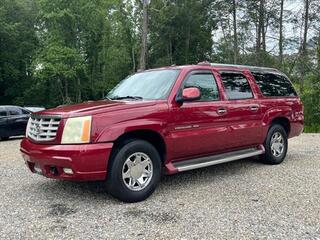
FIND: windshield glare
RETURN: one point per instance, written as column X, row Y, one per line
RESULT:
column 150, row 85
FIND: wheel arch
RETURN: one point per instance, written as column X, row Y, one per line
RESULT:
column 151, row 136
column 283, row 121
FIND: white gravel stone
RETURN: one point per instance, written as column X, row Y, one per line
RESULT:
column 238, row 200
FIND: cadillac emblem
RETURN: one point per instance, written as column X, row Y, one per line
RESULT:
column 37, row 129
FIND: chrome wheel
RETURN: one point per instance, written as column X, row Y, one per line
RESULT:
column 277, row 144
column 137, row 171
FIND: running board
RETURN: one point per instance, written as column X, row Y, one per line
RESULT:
column 190, row 164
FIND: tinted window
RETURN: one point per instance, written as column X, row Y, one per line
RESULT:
column 206, row 84
column 273, row 85
column 3, row 112
column 24, row 111
column 14, row 111
column 236, row 86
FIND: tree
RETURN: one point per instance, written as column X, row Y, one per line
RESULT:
column 144, row 35
column 235, row 35
column 304, row 44
column 281, row 33
column 18, row 44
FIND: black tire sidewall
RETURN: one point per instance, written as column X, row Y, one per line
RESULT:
column 115, row 184
column 269, row 157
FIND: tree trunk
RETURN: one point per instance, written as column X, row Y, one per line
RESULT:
column 263, row 27
column 187, row 44
column 66, row 91
column 60, row 87
column 260, row 22
column 79, row 90
column 170, row 51
column 133, row 60
column 281, row 34
column 144, row 34
column 235, row 36
column 304, row 45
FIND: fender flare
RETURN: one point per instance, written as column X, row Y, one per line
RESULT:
column 112, row 133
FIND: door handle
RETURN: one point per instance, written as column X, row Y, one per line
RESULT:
column 221, row 110
column 254, row 108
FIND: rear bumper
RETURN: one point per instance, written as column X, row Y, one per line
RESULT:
column 296, row 128
column 87, row 161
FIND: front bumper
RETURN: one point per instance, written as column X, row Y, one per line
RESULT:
column 87, row 161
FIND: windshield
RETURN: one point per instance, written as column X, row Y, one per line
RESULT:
column 150, row 85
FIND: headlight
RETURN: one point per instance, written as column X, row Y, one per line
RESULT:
column 77, row 130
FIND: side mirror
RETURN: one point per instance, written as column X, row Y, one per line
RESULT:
column 189, row 94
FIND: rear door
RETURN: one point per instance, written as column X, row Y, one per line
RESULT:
column 243, row 110
column 3, row 122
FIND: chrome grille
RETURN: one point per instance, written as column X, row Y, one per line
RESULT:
column 43, row 128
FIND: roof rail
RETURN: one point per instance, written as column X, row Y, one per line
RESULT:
column 243, row 66
column 204, row 63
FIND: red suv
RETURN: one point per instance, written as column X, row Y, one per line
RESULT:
column 167, row 120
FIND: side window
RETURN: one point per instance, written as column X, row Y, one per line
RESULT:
column 236, row 86
column 206, row 84
column 25, row 111
column 14, row 111
column 3, row 112
column 273, row 85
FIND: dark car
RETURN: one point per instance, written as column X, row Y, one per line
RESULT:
column 34, row 109
column 13, row 121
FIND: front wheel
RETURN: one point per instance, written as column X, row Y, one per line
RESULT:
column 276, row 145
column 134, row 171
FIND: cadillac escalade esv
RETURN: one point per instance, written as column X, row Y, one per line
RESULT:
column 166, row 120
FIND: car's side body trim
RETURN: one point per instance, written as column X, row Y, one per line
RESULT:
column 218, row 159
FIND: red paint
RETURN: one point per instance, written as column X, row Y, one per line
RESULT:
column 88, row 161
column 189, row 129
column 191, row 93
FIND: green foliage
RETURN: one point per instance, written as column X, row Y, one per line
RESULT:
column 180, row 32
column 311, row 101
column 56, row 52
column 18, row 43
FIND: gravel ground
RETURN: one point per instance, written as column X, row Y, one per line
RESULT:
column 238, row 200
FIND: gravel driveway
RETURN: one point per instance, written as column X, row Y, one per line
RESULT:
column 238, row 200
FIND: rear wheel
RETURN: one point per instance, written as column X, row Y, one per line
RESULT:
column 134, row 171
column 276, row 145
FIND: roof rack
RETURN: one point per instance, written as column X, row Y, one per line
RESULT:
column 252, row 68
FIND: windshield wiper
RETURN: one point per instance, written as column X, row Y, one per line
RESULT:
column 127, row 97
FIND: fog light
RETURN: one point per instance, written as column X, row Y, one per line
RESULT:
column 37, row 168
column 68, row 170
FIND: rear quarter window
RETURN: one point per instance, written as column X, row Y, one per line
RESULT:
column 3, row 112
column 274, row 85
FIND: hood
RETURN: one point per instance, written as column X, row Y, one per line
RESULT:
column 94, row 107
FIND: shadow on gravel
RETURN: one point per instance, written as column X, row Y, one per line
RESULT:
column 208, row 174
column 66, row 191
column 13, row 139
column 96, row 191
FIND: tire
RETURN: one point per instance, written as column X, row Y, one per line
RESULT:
column 275, row 153
column 129, row 168
column 4, row 138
